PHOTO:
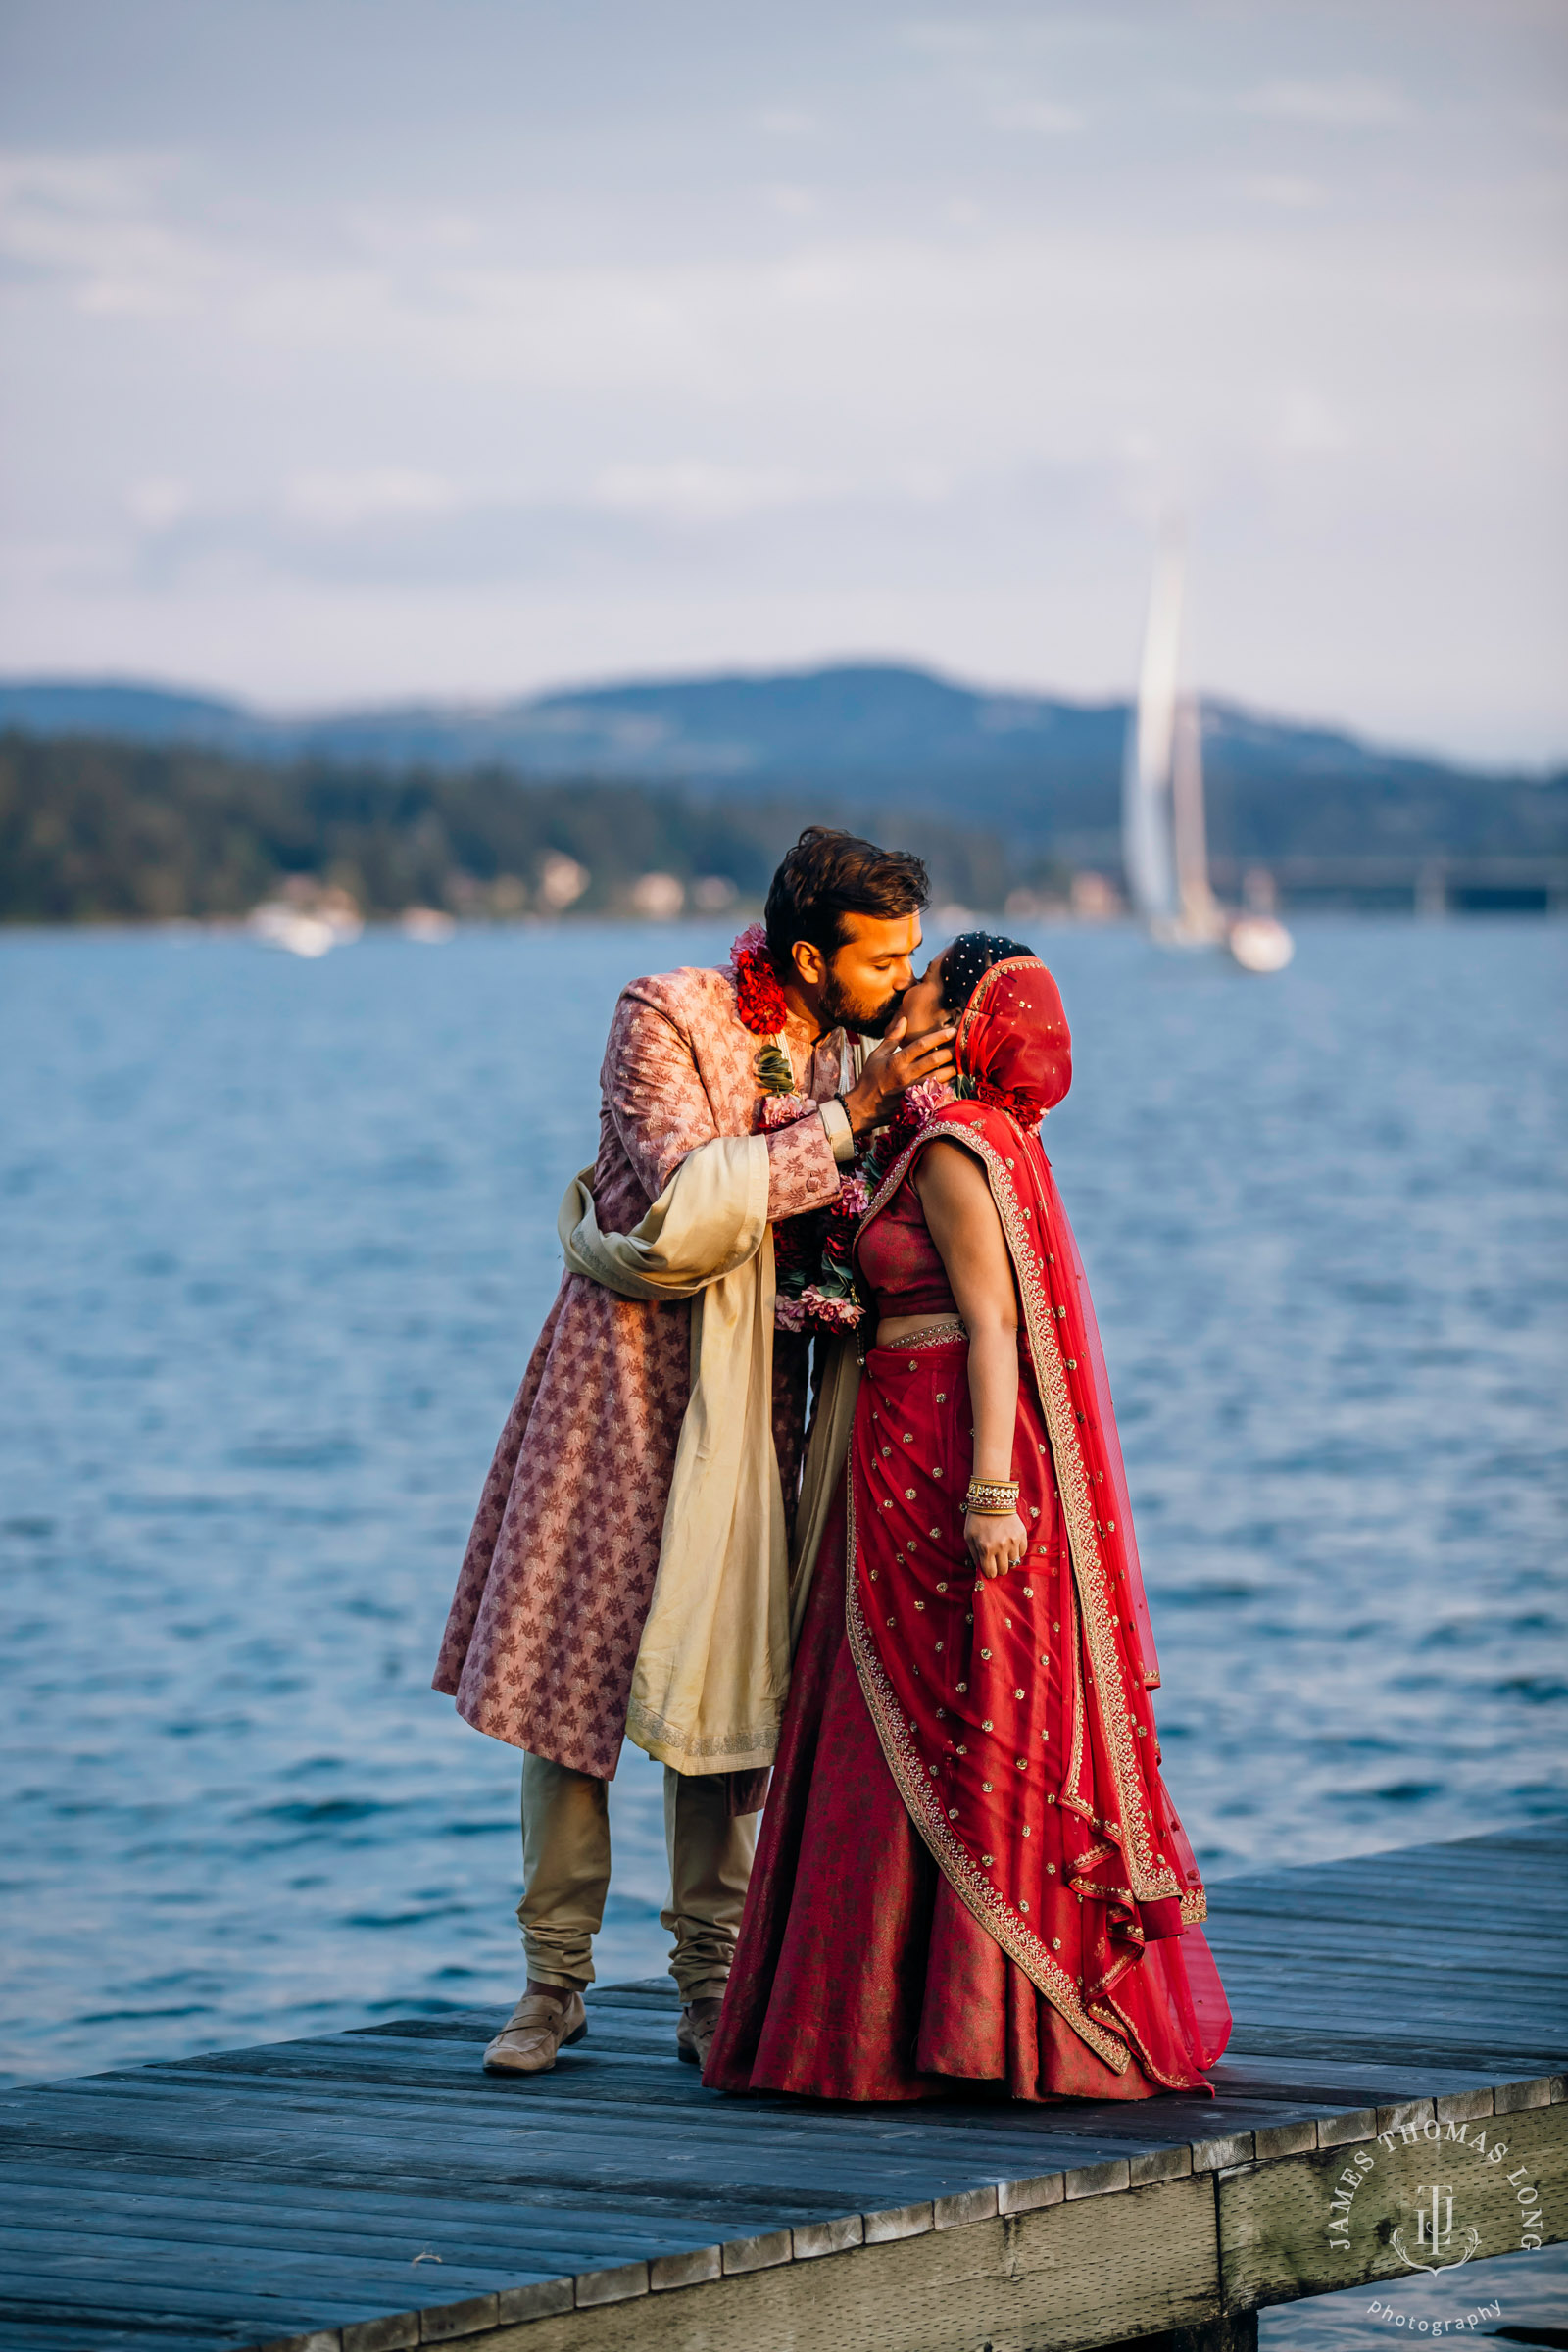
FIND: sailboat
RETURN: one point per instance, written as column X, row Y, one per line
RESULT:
column 1164, row 834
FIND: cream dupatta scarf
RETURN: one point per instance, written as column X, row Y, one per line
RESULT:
column 712, row 1670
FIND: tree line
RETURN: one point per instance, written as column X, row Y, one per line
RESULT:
column 93, row 830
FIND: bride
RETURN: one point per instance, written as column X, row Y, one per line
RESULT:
column 969, row 1871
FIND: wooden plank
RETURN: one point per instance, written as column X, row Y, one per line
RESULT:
column 1275, row 2241
column 802, row 2189
column 30, row 2334
column 609, row 2141
column 796, row 2175
column 188, row 2251
column 1488, row 2053
column 311, row 2146
column 320, row 2273
column 1073, row 2277
column 523, row 2235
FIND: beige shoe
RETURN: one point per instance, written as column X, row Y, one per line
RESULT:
column 699, row 2023
column 540, row 2024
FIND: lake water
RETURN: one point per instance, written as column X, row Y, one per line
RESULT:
column 276, row 1239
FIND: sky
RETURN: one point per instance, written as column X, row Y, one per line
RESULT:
column 368, row 350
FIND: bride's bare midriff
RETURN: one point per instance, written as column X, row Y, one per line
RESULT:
column 895, row 1328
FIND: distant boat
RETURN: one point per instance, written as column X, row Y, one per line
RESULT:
column 308, row 924
column 431, row 926
column 1164, row 834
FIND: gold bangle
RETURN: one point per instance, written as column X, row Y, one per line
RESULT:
column 991, row 1497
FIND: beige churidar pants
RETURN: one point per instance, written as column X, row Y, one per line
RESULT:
column 565, row 1873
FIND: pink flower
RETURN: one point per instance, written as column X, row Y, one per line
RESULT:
column 814, row 1308
column 838, row 1314
column 923, row 1102
column 853, row 1198
column 920, row 1105
column 782, row 1110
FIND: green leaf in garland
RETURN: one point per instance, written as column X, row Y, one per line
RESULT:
column 774, row 1070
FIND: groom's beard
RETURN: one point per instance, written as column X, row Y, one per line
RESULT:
column 839, row 1010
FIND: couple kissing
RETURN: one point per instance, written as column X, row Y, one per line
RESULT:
column 913, row 1620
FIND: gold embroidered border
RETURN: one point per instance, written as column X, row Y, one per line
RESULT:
column 996, row 1917
column 1073, row 1693
column 1152, row 1882
column 1171, row 2082
column 747, row 1749
column 934, row 1335
column 891, row 1182
column 1194, row 1904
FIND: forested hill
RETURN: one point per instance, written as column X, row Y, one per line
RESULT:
column 95, row 830
column 1041, row 773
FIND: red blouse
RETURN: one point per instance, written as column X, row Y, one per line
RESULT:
column 902, row 1264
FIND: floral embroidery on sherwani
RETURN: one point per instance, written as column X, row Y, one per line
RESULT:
column 555, row 1585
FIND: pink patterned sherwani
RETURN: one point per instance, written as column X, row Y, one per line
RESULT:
column 558, row 1573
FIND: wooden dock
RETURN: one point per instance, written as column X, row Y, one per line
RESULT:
column 1399, row 2020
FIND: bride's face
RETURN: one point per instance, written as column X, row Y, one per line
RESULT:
column 922, row 1004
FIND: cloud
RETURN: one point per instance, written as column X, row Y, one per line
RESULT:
column 691, row 490
column 157, row 502
column 1308, row 426
column 339, row 502
column 1348, row 104
column 94, row 220
column 1037, row 114
column 788, row 122
column 1287, row 194
column 949, row 40
column 792, row 202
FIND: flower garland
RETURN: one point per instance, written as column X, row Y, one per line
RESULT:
column 811, row 1260
column 810, row 1252
column 813, row 1254
column 757, row 994
column 920, row 1105
column 760, row 1001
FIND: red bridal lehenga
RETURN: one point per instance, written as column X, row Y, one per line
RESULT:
column 969, row 1872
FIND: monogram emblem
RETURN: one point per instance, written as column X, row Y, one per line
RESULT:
column 1434, row 2232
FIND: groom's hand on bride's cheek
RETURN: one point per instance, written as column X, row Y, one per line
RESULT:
column 931, row 1058
column 895, row 1065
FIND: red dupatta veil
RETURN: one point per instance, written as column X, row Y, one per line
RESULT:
column 1040, row 1793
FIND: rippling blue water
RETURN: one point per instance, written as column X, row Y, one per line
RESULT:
column 277, row 1240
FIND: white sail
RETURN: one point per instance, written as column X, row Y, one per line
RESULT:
column 1147, row 842
column 1164, row 834
column 1199, row 920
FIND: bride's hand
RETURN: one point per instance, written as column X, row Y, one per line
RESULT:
column 995, row 1545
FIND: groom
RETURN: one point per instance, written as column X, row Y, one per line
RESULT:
column 555, row 1587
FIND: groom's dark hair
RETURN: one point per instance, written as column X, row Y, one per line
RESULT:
column 828, row 875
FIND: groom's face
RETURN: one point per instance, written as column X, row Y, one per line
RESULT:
column 869, row 972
